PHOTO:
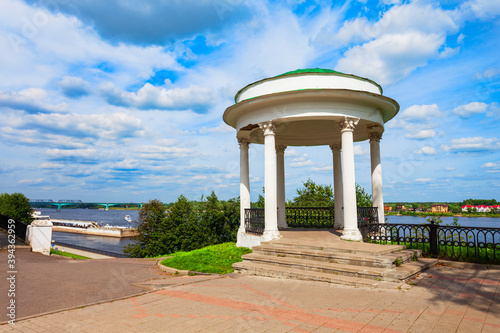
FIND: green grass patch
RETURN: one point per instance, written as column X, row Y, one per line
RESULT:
column 66, row 254
column 211, row 259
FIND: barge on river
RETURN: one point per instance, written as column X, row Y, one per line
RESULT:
column 92, row 228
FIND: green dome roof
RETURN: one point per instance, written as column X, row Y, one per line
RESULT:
column 311, row 70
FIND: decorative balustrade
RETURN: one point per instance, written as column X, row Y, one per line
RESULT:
column 368, row 215
column 310, row 217
column 474, row 244
column 305, row 217
column 254, row 221
column 19, row 227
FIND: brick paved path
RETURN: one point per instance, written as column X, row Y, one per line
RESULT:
column 444, row 299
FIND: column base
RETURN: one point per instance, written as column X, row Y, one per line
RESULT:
column 247, row 240
column 351, row 235
column 283, row 225
column 270, row 235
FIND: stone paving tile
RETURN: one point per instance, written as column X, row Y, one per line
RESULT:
column 445, row 299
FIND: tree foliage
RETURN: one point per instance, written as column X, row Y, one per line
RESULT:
column 16, row 206
column 363, row 199
column 185, row 226
column 314, row 195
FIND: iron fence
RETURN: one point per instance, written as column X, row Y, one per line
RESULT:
column 472, row 244
column 305, row 217
column 19, row 227
column 368, row 215
column 88, row 249
column 254, row 221
column 310, row 217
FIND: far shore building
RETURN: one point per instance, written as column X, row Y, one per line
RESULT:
column 481, row 208
column 439, row 208
column 310, row 107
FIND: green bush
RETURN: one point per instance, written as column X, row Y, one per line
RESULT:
column 16, row 206
column 185, row 226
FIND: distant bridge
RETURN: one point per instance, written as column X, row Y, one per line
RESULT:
column 61, row 203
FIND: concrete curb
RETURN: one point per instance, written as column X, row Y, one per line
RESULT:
column 462, row 264
column 180, row 272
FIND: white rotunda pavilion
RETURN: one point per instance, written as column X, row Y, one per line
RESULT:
column 309, row 107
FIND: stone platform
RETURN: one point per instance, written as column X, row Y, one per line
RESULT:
column 320, row 255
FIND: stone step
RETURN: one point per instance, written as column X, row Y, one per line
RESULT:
column 360, row 259
column 351, row 247
column 374, row 273
column 260, row 269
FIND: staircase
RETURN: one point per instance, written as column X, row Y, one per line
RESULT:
column 339, row 262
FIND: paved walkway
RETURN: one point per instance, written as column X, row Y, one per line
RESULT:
column 456, row 298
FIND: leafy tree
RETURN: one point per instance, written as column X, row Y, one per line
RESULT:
column 16, row 206
column 152, row 225
column 185, row 226
column 363, row 199
column 313, row 195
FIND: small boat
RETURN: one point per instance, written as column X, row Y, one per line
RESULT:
column 128, row 218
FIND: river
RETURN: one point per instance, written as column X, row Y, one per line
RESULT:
column 115, row 217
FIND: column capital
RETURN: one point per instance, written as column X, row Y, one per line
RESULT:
column 348, row 123
column 280, row 149
column 336, row 148
column 268, row 127
column 244, row 143
column 374, row 136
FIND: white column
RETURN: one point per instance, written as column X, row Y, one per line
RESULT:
column 377, row 195
column 351, row 231
column 244, row 182
column 337, row 187
column 271, row 206
column 280, row 164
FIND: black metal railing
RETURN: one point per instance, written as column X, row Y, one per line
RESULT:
column 19, row 227
column 368, row 215
column 254, row 221
column 305, row 217
column 473, row 244
column 88, row 249
column 310, row 217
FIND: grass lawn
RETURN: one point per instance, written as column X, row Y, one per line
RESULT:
column 66, row 254
column 211, row 259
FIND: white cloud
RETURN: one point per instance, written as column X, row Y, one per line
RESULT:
column 491, row 167
column 483, row 9
column 426, row 150
column 150, row 97
column 74, row 87
column 31, row 100
column 488, row 73
column 450, row 168
column 494, row 111
column 31, row 181
column 51, row 166
column 470, row 109
column 390, row 58
column 424, row 180
column 321, row 169
column 474, row 144
column 359, row 151
column 423, row 134
column 405, row 38
column 421, row 112
column 298, row 163
column 221, row 128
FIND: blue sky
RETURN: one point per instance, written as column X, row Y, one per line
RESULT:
column 122, row 100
